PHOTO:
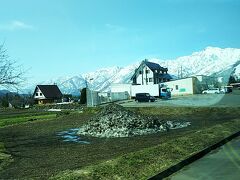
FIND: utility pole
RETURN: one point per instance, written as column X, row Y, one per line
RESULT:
column 86, row 83
column 178, row 73
column 181, row 73
column 91, row 93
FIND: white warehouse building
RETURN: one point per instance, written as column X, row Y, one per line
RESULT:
column 183, row 86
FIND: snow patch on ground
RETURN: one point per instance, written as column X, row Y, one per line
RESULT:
column 71, row 136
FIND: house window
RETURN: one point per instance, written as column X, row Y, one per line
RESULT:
column 176, row 87
column 36, row 94
column 150, row 79
column 40, row 94
column 140, row 72
column 156, row 71
column 135, row 80
column 147, row 71
column 146, row 79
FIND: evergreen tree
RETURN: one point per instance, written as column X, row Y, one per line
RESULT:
column 4, row 102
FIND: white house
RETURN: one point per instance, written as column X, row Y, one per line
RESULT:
column 145, row 79
column 149, row 73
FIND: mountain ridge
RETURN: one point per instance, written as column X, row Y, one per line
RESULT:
column 210, row 61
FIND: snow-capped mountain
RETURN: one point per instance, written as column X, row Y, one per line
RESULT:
column 207, row 62
column 99, row 80
column 210, row 61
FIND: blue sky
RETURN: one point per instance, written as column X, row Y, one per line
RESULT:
column 55, row 38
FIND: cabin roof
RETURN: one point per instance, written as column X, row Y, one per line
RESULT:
column 50, row 91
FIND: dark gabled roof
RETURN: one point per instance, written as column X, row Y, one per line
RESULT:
column 152, row 66
column 50, row 91
column 166, row 76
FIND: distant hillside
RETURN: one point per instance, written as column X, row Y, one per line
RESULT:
column 3, row 92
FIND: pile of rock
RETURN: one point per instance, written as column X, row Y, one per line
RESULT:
column 116, row 121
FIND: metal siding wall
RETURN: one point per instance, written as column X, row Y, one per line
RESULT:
column 153, row 90
column 94, row 99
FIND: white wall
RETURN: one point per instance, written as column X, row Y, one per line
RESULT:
column 133, row 89
column 37, row 94
column 115, row 88
column 153, row 90
column 139, row 79
column 149, row 75
column 185, row 86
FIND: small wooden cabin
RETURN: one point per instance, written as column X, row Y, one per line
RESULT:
column 44, row 94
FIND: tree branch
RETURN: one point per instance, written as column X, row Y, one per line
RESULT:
column 10, row 73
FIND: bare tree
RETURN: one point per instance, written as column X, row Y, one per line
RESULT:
column 11, row 73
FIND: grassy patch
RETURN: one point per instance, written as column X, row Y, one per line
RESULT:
column 20, row 112
column 24, row 118
column 91, row 110
column 5, row 159
column 150, row 161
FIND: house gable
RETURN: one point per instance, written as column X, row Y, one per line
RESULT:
column 38, row 94
column 47, row 92
column 149, row 73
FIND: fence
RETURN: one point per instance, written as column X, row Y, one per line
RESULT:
column 95, row 98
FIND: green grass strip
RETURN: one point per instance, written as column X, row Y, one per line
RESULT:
column 150, row 161
column 17, row 120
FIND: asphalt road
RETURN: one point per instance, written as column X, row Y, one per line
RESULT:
column 232, row 99
column 217, row 100
column 223, row 163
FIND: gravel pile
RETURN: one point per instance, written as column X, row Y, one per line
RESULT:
column 116, row 121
